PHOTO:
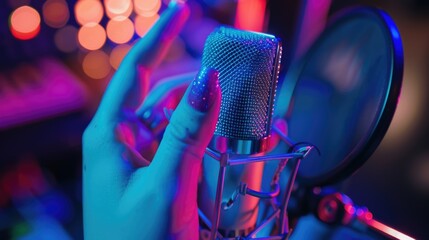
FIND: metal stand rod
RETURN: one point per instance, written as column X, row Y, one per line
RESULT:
column 240, row 160
column 283, row 137
column 284, row 223
column 386, row 230
column 218, row 199
column 226, row 160
column 206, row 221
column 268, row 220
column 215, row 155
column 269, row 238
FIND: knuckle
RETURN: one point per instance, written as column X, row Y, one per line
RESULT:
column 179, row 137
column 178, row 132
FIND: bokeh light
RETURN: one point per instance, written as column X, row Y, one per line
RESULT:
column 250, row 15
column 143, row 23
column 118, row 53
column 116, row 8
column 25, row 23
column 120, row 29
column 55, row 13
column 66, row 39
column 408, row 110
column 88, row 11
column 96, row 64
column 147, row 7
column 92, row 36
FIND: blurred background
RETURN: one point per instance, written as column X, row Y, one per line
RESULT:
column 57, row 57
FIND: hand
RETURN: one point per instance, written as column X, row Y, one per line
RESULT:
column 122, row 198
column 165, row 95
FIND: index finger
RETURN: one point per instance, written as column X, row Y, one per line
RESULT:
column 128, row 85
column 149, row 51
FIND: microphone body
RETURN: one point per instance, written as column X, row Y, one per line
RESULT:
column 248, row 64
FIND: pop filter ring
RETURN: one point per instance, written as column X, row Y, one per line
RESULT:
column 352, row 162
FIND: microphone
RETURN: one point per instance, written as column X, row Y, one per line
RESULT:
column 248, row 64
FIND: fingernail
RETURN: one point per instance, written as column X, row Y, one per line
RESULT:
column 147, row 115
column 204, row 89
column 148, row 118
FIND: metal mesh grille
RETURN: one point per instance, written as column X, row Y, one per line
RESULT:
column 246, row 63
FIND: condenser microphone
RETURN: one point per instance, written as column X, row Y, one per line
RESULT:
column 248, row 64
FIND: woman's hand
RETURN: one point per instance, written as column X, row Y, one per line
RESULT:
column 122, row 198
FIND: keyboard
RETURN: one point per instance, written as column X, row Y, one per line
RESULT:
column 37, row 91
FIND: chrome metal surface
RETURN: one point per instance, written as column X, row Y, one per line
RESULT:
column 248, row 66
column 238, row 146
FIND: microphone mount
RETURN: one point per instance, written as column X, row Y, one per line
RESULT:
column 298, row 151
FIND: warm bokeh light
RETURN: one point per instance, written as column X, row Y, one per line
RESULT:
column 147, row 8
column 92, row 36
column 116, row 8
column 25, row 23
column 96, row 64
column 120, row 29
column 143, row 24
column 250, row 15
column 408, row 110
column 66, row 39
column 117, row 54
column 88, row 11
column 56, row 13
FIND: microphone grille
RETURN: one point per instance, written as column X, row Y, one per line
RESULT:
column 248, row 65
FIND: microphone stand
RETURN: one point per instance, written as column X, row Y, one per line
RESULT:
column 298, row 152
column 332, row 208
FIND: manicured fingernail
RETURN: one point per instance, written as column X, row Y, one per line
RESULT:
column 150, row 119
column 204, row 89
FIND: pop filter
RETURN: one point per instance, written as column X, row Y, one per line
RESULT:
column 341, row 96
